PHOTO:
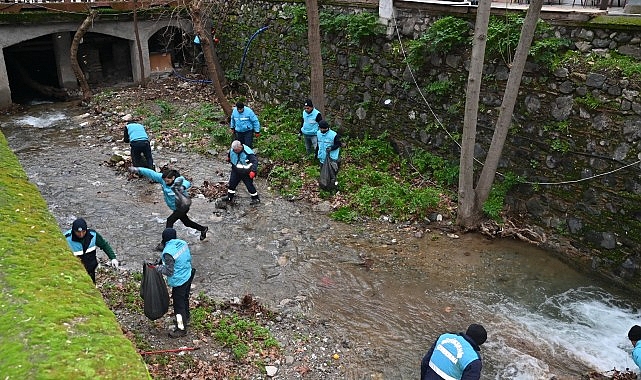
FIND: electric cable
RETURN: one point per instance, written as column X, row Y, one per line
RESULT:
column 438, row 121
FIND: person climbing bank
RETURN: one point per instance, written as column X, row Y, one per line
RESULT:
column 83, row 243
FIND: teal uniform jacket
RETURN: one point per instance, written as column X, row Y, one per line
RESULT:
column 136, row 132
column 168, row 192
column 243, row 162
column 245, row 121
column 326, row 140
column 179, row 250
column 310, row 125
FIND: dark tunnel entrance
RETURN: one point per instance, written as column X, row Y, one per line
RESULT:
column 32, row 71
column 34, row 76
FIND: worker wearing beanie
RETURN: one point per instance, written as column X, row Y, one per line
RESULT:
column 455, row 356
column 176, row 265
column 83, row 243
column 635, row 337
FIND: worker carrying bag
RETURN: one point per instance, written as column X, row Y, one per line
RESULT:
column 153, row 291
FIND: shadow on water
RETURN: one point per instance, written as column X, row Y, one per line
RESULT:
column 386, row 293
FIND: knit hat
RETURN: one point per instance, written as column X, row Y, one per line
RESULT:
column 168, row 234
column 323, row 124
column 478, row 333
column 240, row 105
column 79, row 225
column 635, row 333
column 308, row 103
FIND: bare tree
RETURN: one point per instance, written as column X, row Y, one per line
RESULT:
column 315, row 60
column 196, row 11
column 75, row 66
column 143, row 78
column 471, row 199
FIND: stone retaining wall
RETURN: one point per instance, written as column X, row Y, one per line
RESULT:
column 574, row 129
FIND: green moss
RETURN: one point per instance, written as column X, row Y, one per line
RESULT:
column 54, row 323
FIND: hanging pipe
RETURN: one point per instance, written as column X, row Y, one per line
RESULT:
column 242, row 62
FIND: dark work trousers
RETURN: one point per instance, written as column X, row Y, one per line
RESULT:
column 247, row 138
column 180, row 296
column 235, row 178
column 182, row 216
column 141, row 154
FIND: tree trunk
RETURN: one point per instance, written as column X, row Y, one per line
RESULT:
column 466, row 195
column 504, row 121
column 471, row 199
column 315, row 60
column 143, row 78
column 196, row 12
column 75, row 66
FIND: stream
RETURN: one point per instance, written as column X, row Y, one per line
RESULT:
column 386, row 291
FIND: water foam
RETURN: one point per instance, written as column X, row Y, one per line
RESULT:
column 44, row 120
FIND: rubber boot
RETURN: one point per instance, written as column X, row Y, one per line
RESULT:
column 180, row 330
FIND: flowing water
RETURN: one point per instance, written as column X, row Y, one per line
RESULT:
column 386, row 292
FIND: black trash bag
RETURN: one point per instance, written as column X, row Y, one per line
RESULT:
column 183, row 201
column 153, row 291
column 328, row 173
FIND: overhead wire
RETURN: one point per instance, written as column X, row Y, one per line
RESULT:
column 438, row 121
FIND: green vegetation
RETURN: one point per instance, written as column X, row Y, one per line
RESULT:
column 589, row 101
column 449, row 33
column 79, row 337
column 356, row 27
column 445, row 35
column 440, row 88
column 493, row 206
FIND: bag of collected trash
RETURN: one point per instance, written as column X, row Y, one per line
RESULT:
column 328, row 173
column 183, row 201
column 153, row 291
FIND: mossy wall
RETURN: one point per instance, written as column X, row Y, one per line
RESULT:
column 576, row 132
column 54, row 323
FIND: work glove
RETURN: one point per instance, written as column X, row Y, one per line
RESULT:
column 257, row 134
column 327, row 150
column 133, row 170
column 252, row 175
column 114, row 263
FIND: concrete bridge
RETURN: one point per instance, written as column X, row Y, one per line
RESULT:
column 38, row 52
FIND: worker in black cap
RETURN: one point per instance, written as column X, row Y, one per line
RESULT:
column 455, row 356
column 309, row 126
column 635, row 337
column 83, row 242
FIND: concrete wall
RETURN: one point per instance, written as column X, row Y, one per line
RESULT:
column 15, row 33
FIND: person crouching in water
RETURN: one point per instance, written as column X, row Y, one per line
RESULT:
column 176, row 265
column 244, row 166
column 171, row 182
